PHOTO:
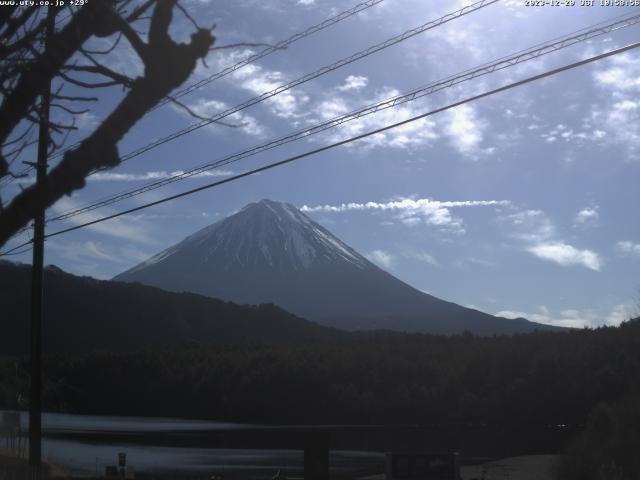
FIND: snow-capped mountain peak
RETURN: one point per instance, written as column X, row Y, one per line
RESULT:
column 279, row 235
column 270, row 252
column 262, row 234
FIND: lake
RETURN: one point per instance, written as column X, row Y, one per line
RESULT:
column 85, row 444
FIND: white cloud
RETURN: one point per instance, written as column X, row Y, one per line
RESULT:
column 464, row 262
column 381, row 258
column 571, row 318
column 570, row 135
column 73, row 250
column 412, row 212
column 461, row 125
column 258, row 80
column 240, row 120
column 127, row 227
column 141, row 177
column 587, row 215
column 97, row 251
column 565, row 255
column 423, row 257
column 153, row 175
column 417, row 134
column 95, row 258
column 353, row 82
column 620, row 313
column 465, row 131
column 629, row 247
column 619, row 82
column 622, row 108
column 86, row 121
column 468, row 35
column 531, row 226
column 621, row 73
column 538, row 233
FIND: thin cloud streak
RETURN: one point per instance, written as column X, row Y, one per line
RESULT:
column 412, row 212
column 404, row 204
column 141, row 177
column 128, row 228
column 153, row 175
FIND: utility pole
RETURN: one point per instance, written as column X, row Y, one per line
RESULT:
column 35, row 386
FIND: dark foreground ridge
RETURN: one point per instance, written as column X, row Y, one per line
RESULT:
column 84, row 314
column 271, row 252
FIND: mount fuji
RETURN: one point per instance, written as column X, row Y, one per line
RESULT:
column 270, row 252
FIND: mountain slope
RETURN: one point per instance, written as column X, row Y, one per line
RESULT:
column 271, row 252
column 83, row 314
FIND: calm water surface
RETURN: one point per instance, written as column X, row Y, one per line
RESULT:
column 74, row 442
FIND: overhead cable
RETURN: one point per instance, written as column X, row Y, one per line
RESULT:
column 308, row 77
column 485, row 69
column 294, row 158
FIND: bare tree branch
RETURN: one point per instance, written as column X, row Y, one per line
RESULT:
column 167, row 65
column 57, row 145
column 6, row 13
column 83, row 84
column 191, row 112
column 133, row 38
column 94, row 18
column 74, row 98
column 138, row 12
column 69, row 110
column 188, row 16
column 28, row 130
column 28, row 38
column 13, row 154
column 56, row 127
column 107, row 51
column 14, row 23
column 101, row 70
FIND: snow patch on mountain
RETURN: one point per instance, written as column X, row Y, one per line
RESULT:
column 337, row 246
column 270, row 252
column 155, row 259
column 304, row 242
column 265, row 234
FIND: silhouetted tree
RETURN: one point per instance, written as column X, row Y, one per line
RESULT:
column 26, row 67
column 608, row 446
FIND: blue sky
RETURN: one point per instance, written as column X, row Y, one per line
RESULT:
column 520, row 204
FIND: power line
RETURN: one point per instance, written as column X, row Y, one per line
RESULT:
column 12, row 252
column 502, row 63
column 283, row 44
column 310, row 76
column 25, row 246
column 346, row 141
column 7, row 179
column 282, row 88
column 345, row 61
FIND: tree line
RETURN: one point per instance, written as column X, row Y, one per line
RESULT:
column 368, row 377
